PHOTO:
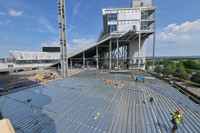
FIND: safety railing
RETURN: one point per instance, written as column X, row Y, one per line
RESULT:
column 10, row 87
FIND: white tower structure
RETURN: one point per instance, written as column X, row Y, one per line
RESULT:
column 132, row 25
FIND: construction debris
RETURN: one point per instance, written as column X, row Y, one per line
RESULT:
column 144, row 100
column 119, row 84
column 17, row 128
column 152, row 82
column 29, row 100
column 36, row 122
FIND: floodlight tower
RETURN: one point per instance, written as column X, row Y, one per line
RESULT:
column 63, row 38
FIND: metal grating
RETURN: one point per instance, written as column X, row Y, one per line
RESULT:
column 85, row 103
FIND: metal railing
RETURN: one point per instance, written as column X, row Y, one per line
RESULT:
column 11, row 87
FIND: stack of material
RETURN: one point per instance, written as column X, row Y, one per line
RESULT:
column 109, row 81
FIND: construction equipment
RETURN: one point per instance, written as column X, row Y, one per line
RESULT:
column 140, row 79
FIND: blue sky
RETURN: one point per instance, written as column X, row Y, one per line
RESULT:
column 27, row 25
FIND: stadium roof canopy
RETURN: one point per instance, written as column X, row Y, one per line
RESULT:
column 24, row 55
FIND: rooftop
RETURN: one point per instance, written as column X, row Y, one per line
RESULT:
column 85, row 103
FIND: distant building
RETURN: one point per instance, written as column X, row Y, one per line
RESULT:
column 122, row 42
column 125, row 25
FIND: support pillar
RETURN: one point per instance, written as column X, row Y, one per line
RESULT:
column 117, row 53
column 139, row 50
column 110, row 55
column 71, row 63
column 154, row 41
column 97, row 57
column 139, row 41
column 83, row 59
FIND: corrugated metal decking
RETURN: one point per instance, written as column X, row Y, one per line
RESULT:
column 87, row 104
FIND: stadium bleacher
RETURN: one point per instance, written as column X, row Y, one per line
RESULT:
column 25, row 56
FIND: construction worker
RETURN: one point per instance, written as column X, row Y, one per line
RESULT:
column 177, row 116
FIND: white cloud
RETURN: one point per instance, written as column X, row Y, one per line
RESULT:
column 2, row 13
column 6, row 22
column 77, row 44
column 178, row 40
column 43, row 21
column 15, row 13
column 173, row 34
column 80, row 44
column 71, row 27
column 51, row 44
column 76, row 7
column 5, row 37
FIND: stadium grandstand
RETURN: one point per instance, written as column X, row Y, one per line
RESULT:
column 24, row 60
column 20, row 56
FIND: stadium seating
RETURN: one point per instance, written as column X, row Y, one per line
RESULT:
column 21, row 55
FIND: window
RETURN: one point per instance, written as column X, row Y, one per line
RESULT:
column 113, row 28
column 137, row 61
column 141, row 61
column 112, row 17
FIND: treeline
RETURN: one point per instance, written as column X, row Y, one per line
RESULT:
column 181, row 69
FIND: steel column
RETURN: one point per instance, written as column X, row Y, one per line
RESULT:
column 110, row 54
column 65, row 58
column 117, row 53
column 139, row 41
column 139, row 50
column 154, row 41
column 71, row 63
column 97, row 57
column 61, row 36
column 83, row 59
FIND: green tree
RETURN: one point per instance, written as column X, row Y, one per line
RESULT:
column 167, row 71
column 158, row 69
column 189, row 71
column 174, row 67
column 196, row 77
column 148, row 63
column 180, row 65
column 181, row 73
column 191, row 65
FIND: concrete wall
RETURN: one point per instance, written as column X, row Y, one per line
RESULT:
column 141, row 3
column 126, row 19
column 133, row 53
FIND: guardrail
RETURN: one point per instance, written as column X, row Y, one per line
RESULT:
column 195, row 98
column 11, row 87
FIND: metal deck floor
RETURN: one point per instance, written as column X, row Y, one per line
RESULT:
column 87, row 104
